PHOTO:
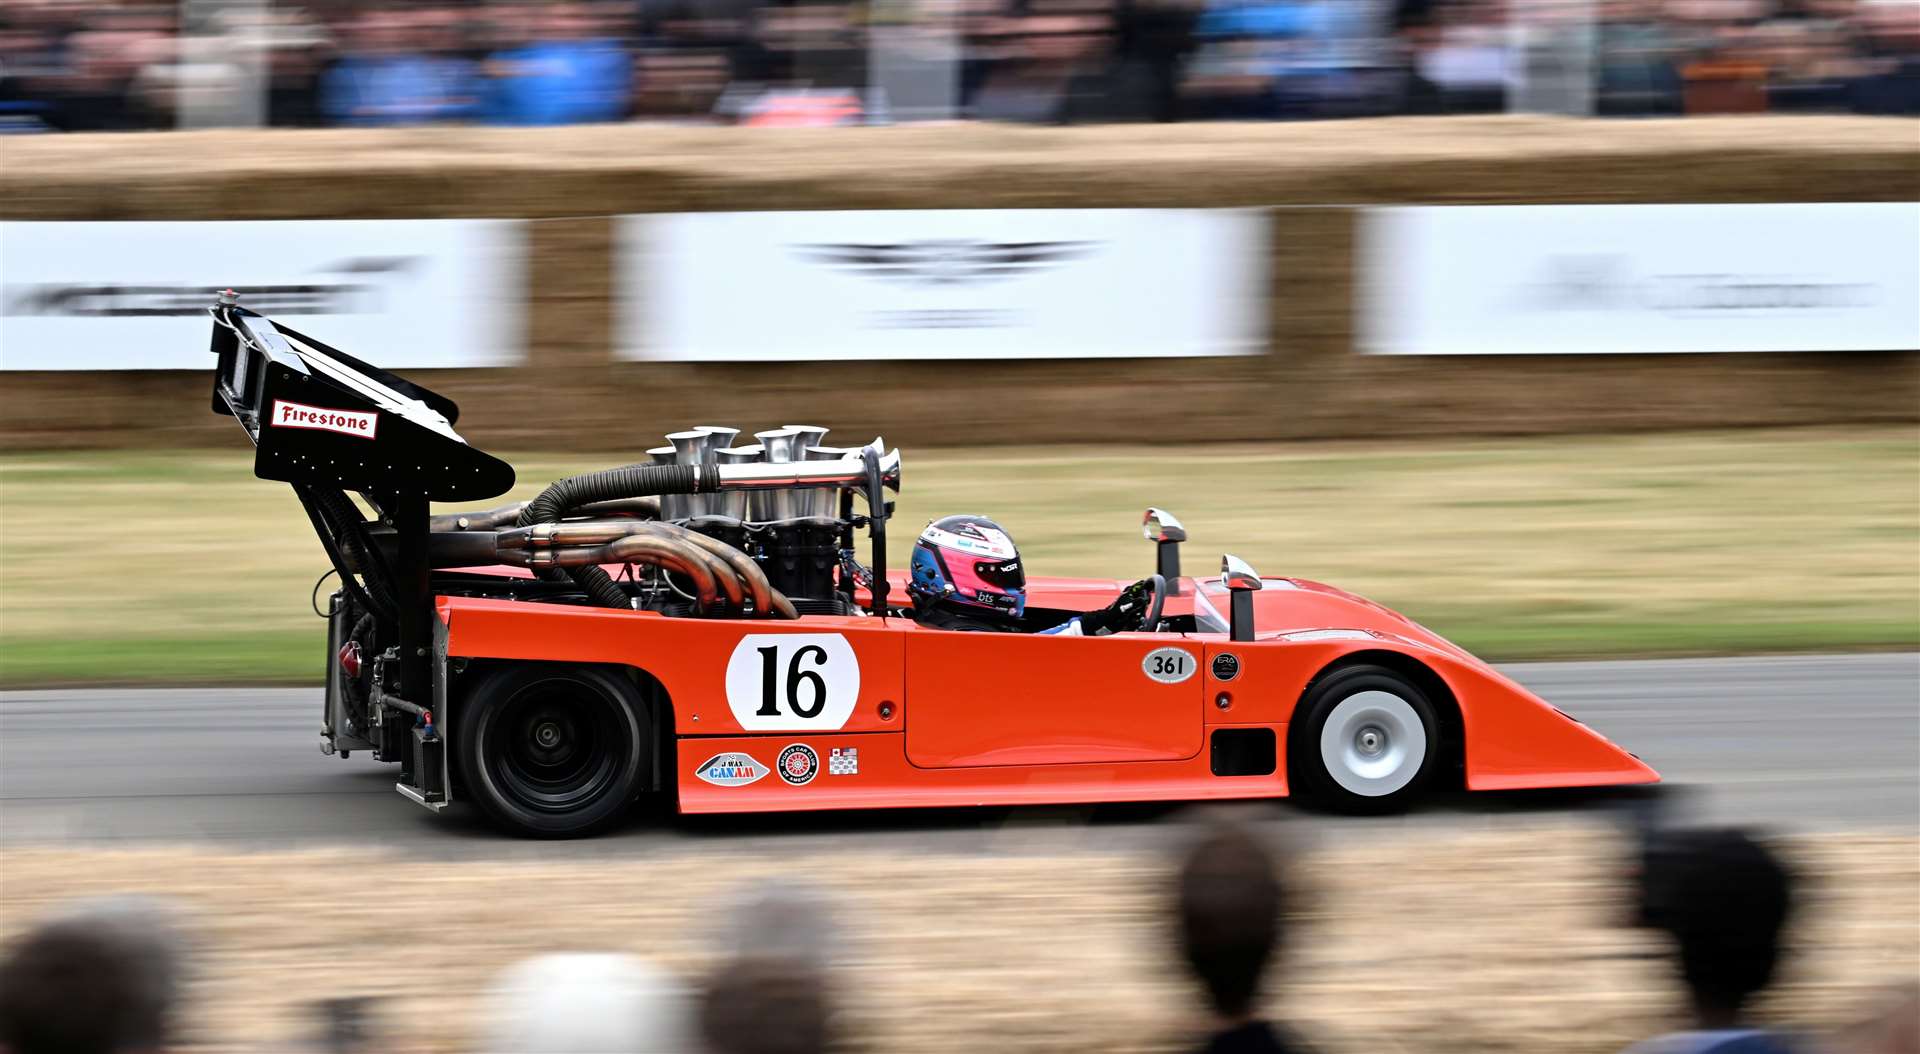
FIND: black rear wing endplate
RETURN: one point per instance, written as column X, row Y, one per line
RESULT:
column 319, row 416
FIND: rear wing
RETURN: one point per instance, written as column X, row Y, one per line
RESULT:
column 319, row 416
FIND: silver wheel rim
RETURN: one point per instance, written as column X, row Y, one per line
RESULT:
column 1373, row 743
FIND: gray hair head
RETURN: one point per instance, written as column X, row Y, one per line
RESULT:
column 586, row 1004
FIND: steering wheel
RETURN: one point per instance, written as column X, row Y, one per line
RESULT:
column 1156, row 599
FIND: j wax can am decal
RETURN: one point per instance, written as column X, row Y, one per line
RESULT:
column 798, row 764
column 1169, row 665
column 731, row 770
column 792, row 682
column 357, row 423
column 843, row 761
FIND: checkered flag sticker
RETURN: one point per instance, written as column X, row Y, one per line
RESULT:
column 843, row 761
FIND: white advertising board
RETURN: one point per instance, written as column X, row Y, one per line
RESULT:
column 134, row 296
column 1612, row 279
column 952, row 285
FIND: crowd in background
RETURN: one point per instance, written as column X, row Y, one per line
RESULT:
column 83, row 65
column 108, row 978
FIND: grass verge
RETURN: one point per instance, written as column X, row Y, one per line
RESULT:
column 133, row 567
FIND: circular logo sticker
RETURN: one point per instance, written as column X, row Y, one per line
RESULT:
column 1225, row 667
column 798, row 764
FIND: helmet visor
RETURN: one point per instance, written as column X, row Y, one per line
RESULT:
column 1002, row 574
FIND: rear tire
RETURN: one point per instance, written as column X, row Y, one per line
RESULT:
column 1363, row 740
column 552, row 751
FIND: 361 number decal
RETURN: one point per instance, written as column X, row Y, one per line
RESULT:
column 1168, row 665
column 779, row 681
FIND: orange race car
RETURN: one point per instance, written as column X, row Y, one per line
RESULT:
column 700, row 627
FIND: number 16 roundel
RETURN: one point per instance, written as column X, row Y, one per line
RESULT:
column 792, row 682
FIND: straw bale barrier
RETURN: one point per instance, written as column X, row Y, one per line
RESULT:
column 571, row 394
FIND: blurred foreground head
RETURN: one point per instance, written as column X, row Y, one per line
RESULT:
column 1725, row 899
column 101, row 978
column 773, row 993
column 1231, row 904
column 767, row 1005
column 586, row 1004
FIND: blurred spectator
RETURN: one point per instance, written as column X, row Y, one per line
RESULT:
column 773, row 993
column 1232, row 913
column 100, row 65
column 1056, row 65
column 585, row 1004
column 764, row 1004
column 1636, row 61
column 1461, row 60
column 786, row 919
column 100, row 979
column 388, row 75
column 568, row 68
column 1886, row 76
column 1725, row 900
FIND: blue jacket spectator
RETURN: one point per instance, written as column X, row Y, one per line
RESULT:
column 374, row 90
column 559, row 82
column 387, row 79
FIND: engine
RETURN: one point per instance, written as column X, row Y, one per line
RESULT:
column 801, row 536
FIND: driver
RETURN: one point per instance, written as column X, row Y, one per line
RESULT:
column 967, row 576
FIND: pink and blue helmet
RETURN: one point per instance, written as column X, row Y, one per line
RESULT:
column 969, row 562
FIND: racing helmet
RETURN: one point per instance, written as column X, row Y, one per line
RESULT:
column 968, row 563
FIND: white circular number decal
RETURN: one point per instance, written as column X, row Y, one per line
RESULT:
column 792, row 681
column 1169, row 665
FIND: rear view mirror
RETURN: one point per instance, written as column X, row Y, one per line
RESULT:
column 1162, row 529
column 1236, row 574
column 1242, row 582
column 1160, row 526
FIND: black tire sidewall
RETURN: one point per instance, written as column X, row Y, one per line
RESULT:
column 476, row 722
column 1306, row 769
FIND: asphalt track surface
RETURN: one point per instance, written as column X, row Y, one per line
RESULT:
column 1792, row 742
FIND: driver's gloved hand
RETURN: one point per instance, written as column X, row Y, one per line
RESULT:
column 1127, row 612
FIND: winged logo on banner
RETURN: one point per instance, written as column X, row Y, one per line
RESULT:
column 943, row 261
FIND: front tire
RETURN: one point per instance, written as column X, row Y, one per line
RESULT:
column 552, row 751
column 1363, row 740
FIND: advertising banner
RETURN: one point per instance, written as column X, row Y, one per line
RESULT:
column 134, row 296
column 1628, row 279
column 942, row 284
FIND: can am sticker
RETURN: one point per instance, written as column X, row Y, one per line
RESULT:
column 1168, row 665
column 843, row 761
column 731, row 770
column 792, row 682
column 799, row 764
column 356, row 423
